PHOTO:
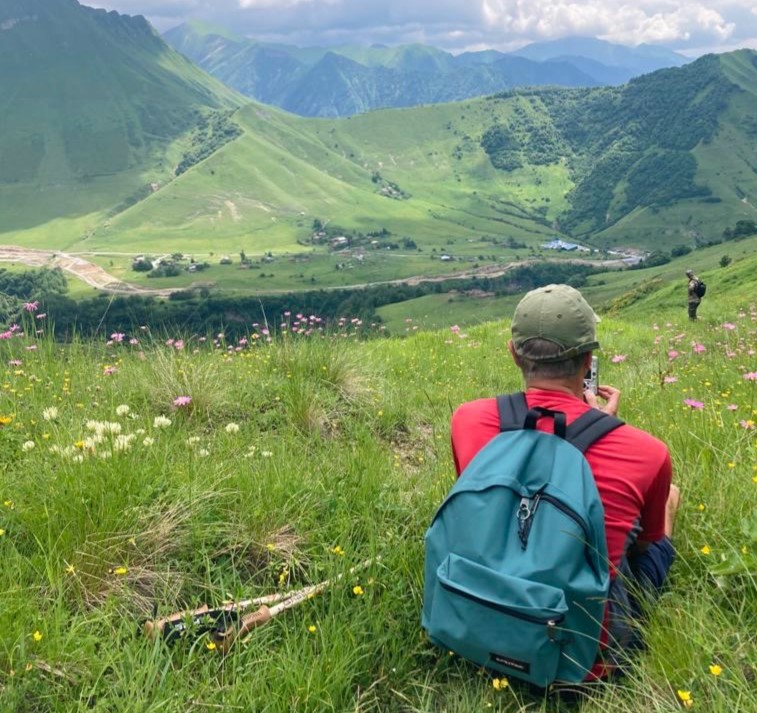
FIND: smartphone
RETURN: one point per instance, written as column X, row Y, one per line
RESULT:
column 591, row 378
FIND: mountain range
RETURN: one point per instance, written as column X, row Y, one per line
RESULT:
column 343, row 81
column 113, row 141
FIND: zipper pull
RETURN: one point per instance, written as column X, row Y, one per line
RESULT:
column 525, row 515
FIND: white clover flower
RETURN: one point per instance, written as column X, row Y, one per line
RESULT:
column 140, row 432
column 203, row 452
column 193, row 441
column 104, row 455
column 266, row 454
column 161, row 422
column 28, row 446
column 123, row 442
column 122, row 410
column 50, row 413
column 251, row 452
column 78, row 458
column 232, row 428
column 148, row 442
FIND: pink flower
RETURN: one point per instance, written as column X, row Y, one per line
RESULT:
column 117, row 337
column 15, row 362
column 751, row 376
column 42, row 316
column 179, row 344
column 182, row 401
column 618, row 358
column 699, row 348
column 671, row 379
column 31, row 306
column 698, row 405
column 732, row 407
column 109, row 370
column 746, row 424
column 673, row 354
column 729, row 326
column 454, row 329
column 6, row 335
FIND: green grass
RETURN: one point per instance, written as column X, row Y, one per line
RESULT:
column 338, row 445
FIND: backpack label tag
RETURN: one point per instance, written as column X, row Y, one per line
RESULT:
column 522, row 666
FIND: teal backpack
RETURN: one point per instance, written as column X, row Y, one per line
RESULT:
column 516, row 571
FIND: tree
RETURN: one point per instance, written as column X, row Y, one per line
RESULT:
column 725, row 261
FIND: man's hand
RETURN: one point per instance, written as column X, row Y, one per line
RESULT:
column 609, row 394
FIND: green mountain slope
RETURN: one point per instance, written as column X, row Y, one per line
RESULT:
column 91, row 104
column 666, row 160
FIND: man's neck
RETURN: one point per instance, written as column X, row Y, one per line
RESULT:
column 570, row 388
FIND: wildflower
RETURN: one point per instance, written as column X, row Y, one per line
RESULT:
column 500, row 684
column 9, row 504
column 729, row 326
column 182, row 401
column 748, row 424
column 31, row 306
column 6, row 420
column 70, row 569
column 670, row 379
column 117, row 337
column 2, row 531
column 211, row 646
column 270, row 547
column 672, row 354
column 338, row 551
column 617, row 359
column 705, row 550
column 699, row 348
column 693, row 403
column 109, row 370
column 161, row 422
column 751, row 376
column 732, row 407
column 28, row 446
column 312, row 628
column 37, row 635
column 357, row 590
column 700, row 507
column 50, row 413
column 203, row 453
column 232, row 428
column 148, row 442
column 716, row 670
column 193, row 441
column 685, row 698
column 122, row 410
column 120, row 571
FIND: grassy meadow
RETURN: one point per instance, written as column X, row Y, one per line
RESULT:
column 290, row 461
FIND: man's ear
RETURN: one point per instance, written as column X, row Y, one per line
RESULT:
column 513, row 353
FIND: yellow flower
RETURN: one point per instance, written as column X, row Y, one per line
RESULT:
column 6, row 420
column 70, row 569
column 312, row 628
column 37, row 635
column 79, row 445
column 211, row 646
column 2, row 532
column 700, row 507
column 120, row 571
column 731, row 465
column 270, row 547
column 685, row 698
column 744, row 550
column 338, row 551
column 9, row 504
column 500, row 684
column 716, row 670
column 705, row 550
column 357, row 590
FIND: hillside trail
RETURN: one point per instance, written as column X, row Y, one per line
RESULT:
column 100, row 279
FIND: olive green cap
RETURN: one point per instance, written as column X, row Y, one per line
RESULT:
column 558, row 314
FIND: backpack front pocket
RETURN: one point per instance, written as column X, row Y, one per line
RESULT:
column 497, row 620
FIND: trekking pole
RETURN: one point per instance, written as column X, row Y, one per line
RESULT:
column 226, row 637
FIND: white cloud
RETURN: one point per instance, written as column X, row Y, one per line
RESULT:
column 459, row 24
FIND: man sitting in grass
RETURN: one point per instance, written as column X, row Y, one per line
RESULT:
column 553, row 338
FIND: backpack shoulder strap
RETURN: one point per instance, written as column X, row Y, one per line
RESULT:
column 515, row 415
column 513, row 410
column 590, row 427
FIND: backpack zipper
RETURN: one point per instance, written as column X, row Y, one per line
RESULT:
column 550, row 622
column 527, row 509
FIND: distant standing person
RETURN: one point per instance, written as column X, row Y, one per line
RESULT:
column 694, row 294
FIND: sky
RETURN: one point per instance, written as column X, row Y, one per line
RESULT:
column 687, row 26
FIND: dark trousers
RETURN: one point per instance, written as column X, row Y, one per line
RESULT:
column 693, row 310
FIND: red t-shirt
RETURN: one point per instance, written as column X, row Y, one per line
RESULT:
column 632, row 469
